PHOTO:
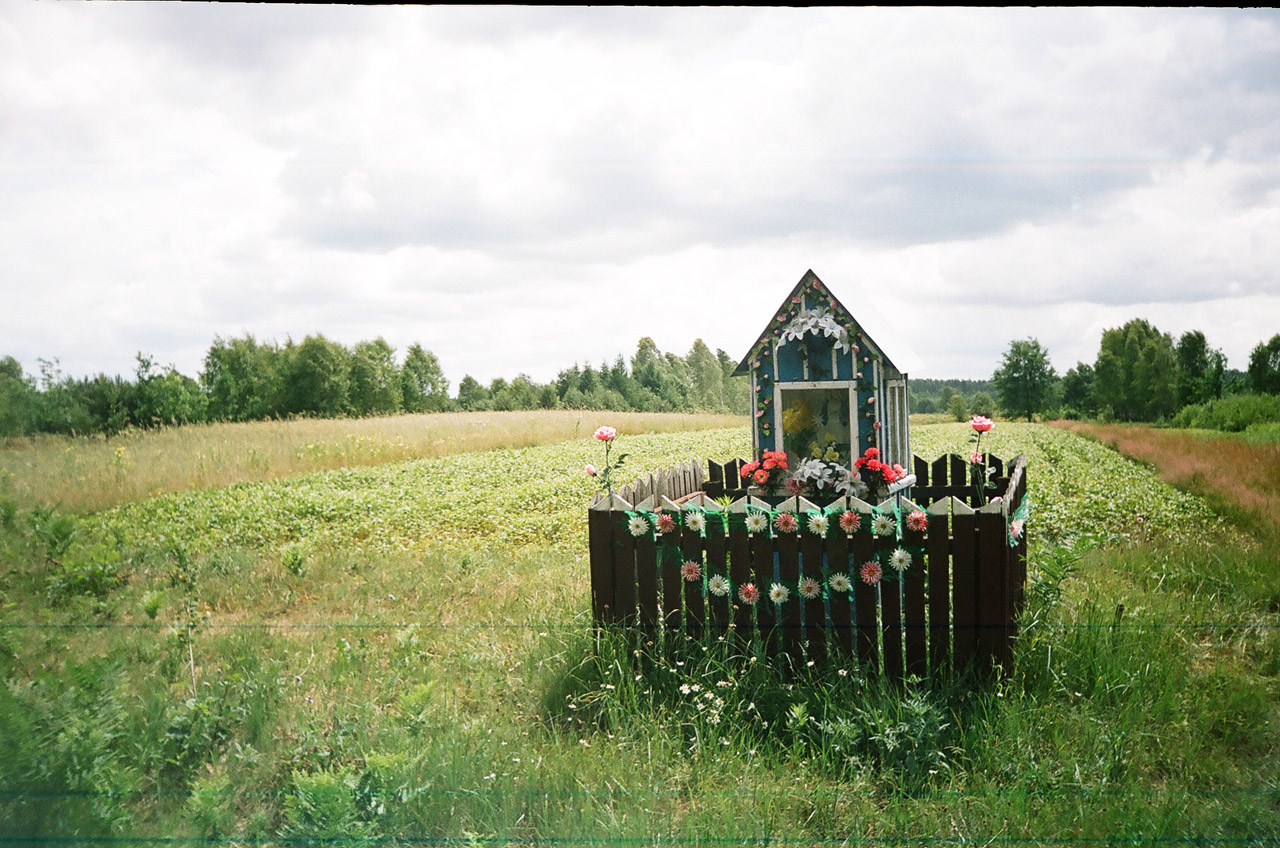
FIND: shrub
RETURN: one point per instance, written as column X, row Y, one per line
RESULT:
column 1232, row 414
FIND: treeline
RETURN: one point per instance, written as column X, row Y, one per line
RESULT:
column 247, row 380
column 958, row 398
column 1142, row 374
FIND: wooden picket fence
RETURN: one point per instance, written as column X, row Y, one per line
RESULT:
column 954, row 608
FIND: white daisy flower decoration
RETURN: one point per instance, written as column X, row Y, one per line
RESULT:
column 779, row 593
column 718, row 586
column 638, row 526
column 839, row 583
column 900, row 560
column 883, row 525
column 818, row 524
column 695, row 521
column 757, row 522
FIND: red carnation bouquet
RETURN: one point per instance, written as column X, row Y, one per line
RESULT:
column 768, row 471
column 876, row 474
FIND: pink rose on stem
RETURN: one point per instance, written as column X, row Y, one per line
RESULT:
column 981, row 423
column 605, row 475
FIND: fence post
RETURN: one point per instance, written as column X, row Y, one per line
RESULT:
column 938, row 551
column 864, row 596
column 991, row 583
column 964, row 552
column 913, row 601
column 602, row 524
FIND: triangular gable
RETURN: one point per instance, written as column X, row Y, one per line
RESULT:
column 816, row 292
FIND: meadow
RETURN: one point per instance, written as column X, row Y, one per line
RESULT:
column 402, row 653
column 90, row 473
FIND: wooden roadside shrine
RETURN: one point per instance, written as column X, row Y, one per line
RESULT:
column 925, row 583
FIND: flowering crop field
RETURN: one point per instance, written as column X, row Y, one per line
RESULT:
column 403, row 653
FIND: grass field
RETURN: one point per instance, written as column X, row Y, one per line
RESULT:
column 402, row 653
column 86, row 474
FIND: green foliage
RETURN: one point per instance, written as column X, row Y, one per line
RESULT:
column 318, row 378
column 1025, row 379
column 1135, row 373
column 1201, row 370
column 376, row 384
column 244, row 380
column 1079, row 399
column 92, row 570
column 1232, row 414
column 957, row 408
column 425, row 388
column 322, row 805
column 1264, row 367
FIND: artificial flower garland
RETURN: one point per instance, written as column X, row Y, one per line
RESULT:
column 892, row 559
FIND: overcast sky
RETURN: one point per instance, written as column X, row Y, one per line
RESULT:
column 519, row 189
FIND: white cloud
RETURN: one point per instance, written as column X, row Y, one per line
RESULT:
column 520, row 188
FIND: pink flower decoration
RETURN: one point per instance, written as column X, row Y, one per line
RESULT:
column 877, row 425
column 794, row 486
column 606, row 434
column 850, row 522
column 1015, row 528
column 981, row 423
column 748, row 593
column 665, row 523
column 871, row 572
column 691, row 572
column 785, row 522
column 918, row 521
column 871, row 399
column 591, row 470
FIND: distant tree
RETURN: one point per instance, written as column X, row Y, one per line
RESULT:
column 1200, row 369
column 1135, row 374
column 706, row 378
column 318, row 378
column 18, row 399
column 924, row 405
column 471, row 395
column 737, row 390
column 1077, row 391
column 376, row 386
column 1264, row 367
column 59, row 410
column 982, row 404
column 166, row 397
column 244, row 380
column 1025, row 379
column 520, row 393
column 957, row 408
column 424, row 385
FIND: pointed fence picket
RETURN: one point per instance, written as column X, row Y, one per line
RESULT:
column 954, row 608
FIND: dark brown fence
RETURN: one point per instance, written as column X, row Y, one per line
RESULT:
column 907, row 589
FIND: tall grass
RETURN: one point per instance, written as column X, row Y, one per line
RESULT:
column 85, row 474
column 462, row 696
column 1240, row 477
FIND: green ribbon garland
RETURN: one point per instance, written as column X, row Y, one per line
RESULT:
column 1021, row 514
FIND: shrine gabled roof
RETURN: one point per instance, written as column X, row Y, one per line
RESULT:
column 810, row 292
